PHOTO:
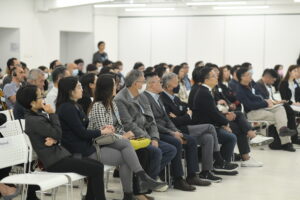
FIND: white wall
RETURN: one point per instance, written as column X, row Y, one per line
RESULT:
column 74, row 45
column 9, row 45
column 262, row 40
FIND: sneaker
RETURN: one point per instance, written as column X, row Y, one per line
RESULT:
column 251, row 163
column 259, row 140
column 232, row 173
column 225, row 167
column 285, row 131
column 162, row 189
column 208, row 176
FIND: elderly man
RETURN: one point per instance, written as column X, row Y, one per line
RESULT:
column 35, row 77
column 205, row 134
column 171, row 135
column 136, row 116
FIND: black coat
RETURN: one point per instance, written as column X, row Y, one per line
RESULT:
column 286, row 93
column 178, row 108
column 75, row 136
column 205, row 110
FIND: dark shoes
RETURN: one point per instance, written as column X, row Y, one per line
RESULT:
column 285, row 131
column 225, row 167
column 288, row 147
column 195, row 180
column 208, row 176
column 128, row 196
column 181, row 184
column 145, row 182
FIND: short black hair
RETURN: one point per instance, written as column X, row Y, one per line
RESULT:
column 99, row 43
column 196, row 74
column 23, row 65
column 105, row 70
column 234, row 69
column 43, row 68
column 241, row 72
column 26, row 95
column 177, row 68
column 107, row 62
column 57, row 73
column 160, row 70
column 246, row 65
column 78, row 61
column 150, row 75
column 137, row 65
column 204, row 74
column 198, row 63
column 270, row 72
column 10, row 62
column 52, row 64
column 91, row 67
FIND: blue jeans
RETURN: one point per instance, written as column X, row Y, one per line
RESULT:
column 160, row 157
column 228, row 141
column 191, row 153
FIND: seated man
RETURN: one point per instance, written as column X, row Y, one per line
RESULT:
column 205, row 134
column 170, row 134
column 263, row 87
column 204, row 109
column 136, row 116
column 259, row 109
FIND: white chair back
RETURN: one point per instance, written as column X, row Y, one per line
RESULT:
column 9, row 114
column 11, row 128
column 14, row 151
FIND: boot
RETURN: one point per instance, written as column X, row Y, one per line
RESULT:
column 147, row 183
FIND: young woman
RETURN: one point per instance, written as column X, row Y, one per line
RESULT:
column 182, row 92
column 44, row 131
column 88, row 82
column 78, row 139
column 289, row 88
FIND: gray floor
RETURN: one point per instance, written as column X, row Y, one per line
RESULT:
column 279, row 179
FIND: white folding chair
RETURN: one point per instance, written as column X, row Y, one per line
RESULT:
column 9, row 114
column 15, row 150
column 11, row 128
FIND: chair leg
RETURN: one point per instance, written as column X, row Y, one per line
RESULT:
column 107, row 179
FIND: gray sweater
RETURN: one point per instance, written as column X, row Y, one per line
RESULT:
column 38, row 126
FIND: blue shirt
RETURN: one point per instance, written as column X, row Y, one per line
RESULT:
column 10, row 90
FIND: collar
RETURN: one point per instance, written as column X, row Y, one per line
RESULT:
column 172, row 97
column 155, row 96
column 209, row 88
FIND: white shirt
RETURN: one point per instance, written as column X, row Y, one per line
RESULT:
column 292, row 87
column 51, row 97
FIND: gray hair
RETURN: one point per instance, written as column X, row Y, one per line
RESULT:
column 167, row 78
column 132, row 76
column 34, row 74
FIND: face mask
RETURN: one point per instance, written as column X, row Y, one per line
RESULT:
column 142, row 89
column 176, row 90
column 75, row 72
column 280, row 72
column 46, row 75
column 251, row 71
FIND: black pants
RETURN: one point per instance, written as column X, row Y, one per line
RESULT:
column 291, row 117
column 86, row 167
column 240, row 127
column 143, row 156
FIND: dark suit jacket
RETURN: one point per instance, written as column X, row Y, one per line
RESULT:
column 260, row 89
column 286, row 93
column 163, row 122
column 205, row 110
column 178, row 108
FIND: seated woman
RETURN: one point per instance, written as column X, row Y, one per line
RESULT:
column 289, row 89
column 88, row 82
column 181, row 92
column 44, row 131
column 79, row 141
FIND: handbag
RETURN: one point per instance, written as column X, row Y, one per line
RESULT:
column 103, row 140
column 140, row 143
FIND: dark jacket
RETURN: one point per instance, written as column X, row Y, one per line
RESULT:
column 192, row 94
column 233, row 84
column 286, row 93
column 205, row 110
column 178, row 108
column 38, row 127
column 250, row 100
column 163, row 122
column 19, row 111
column 75, row 136
column 261, row 90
